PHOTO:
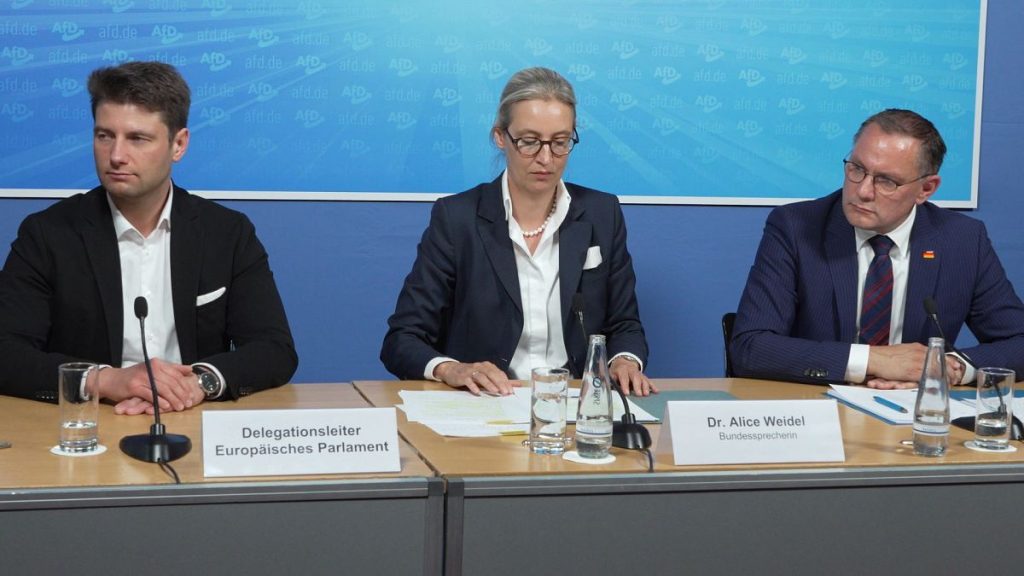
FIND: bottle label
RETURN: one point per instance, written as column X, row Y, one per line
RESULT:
column 595, row 384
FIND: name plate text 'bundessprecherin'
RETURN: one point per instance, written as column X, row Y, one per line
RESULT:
column 752, row 431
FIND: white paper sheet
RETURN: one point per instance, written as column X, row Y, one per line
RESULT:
column 865, row 398
column 460, row 414
column 460, row 406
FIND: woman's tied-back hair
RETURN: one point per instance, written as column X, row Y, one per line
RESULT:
column 533, row 84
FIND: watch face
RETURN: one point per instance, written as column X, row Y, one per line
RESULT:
column 208, row 382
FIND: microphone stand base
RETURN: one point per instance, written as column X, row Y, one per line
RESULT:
column 631, row 436
column 156, row 447
column 627, row 433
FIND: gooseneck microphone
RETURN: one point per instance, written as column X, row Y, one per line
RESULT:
column 932, row 311
column 157, row 446
column 577, row 309
column 627, row 433
column 967, row 422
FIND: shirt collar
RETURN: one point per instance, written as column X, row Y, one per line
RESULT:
column 122, row 225
column 561, row 207
column 900, row 235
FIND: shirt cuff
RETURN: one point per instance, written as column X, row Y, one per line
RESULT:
column 81, row 387
column 428, row 372
column 857, row 365
column 969, row 372
column 630, row 356
column 220, row 378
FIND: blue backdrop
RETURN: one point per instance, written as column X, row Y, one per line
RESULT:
column 339, row 265
column 710, row 101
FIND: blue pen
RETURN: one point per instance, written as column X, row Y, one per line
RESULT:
column 890, row 404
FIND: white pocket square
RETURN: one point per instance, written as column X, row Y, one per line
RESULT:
column 204, row 299
column 593, row 258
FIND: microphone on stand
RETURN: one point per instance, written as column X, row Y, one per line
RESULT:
column 933, row 312
column 967, row 422
column 157, row 446
column 627, row 433
column 577, row 309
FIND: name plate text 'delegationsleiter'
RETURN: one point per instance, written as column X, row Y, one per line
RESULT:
column 293, row 442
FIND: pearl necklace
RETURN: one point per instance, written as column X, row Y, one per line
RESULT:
column 544, row 225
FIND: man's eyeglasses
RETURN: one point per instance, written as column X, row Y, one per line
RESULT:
column 530, row 146
column 856, row 173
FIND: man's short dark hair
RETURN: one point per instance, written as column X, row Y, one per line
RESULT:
column 910, row 123
column 155, row 86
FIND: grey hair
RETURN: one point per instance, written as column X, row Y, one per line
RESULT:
column 910, row 123
column 533, row 84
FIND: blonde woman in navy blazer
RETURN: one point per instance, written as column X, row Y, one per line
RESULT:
column 460, row 316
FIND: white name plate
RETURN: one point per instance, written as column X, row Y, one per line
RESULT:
column 752, row 432
column 293, row 442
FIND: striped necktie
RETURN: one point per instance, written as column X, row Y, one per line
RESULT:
column 876, row 306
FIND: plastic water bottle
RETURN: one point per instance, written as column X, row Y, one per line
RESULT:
column 931, row 410
column 594, row 417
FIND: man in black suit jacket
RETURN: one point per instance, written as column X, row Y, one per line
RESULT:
column 75, row 265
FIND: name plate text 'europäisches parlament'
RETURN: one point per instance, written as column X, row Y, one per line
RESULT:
column 295, row 442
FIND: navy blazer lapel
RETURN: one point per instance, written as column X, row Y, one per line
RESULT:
column 925, row 256
column 492, row 227
column 573, row 241
column 186, row 261
column 841, row 255
column 96, row 228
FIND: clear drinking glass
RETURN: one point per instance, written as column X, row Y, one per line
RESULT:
column 994, row 408
column 79, row 406
column 547, row 410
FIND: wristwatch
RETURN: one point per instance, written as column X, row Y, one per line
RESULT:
column 208, row 382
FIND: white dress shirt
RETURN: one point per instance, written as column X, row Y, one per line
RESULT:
column 857, row 365
column 856, row 368
column 146, row 271
column 542, row 342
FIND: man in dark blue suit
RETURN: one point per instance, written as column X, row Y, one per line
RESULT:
column 836, row 292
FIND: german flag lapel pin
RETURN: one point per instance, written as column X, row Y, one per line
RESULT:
column 928, row 255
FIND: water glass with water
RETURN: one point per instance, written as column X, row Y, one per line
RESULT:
column 547, row 410
column 995, row 408
column 79, row 406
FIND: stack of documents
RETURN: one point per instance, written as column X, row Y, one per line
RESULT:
column 459, row 413
column 892, row 406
